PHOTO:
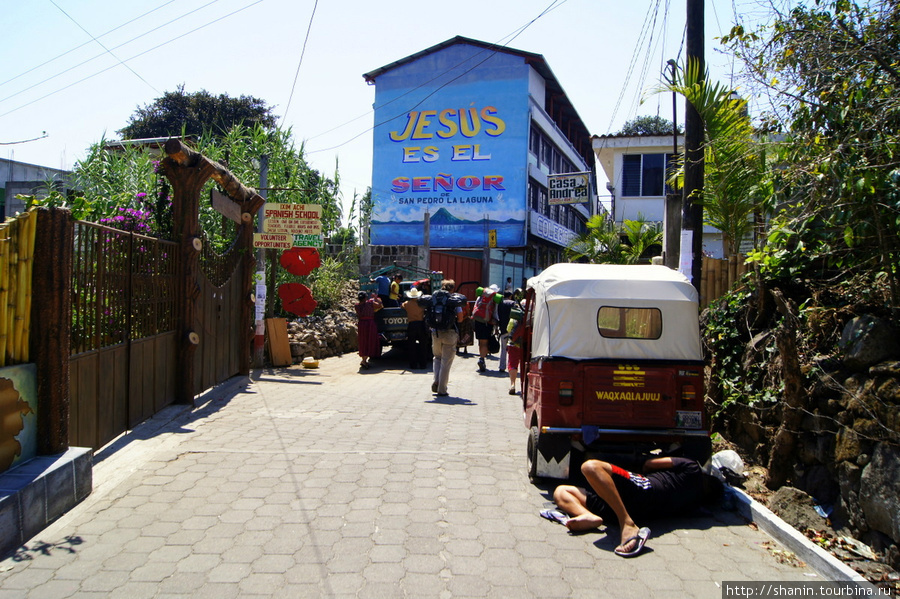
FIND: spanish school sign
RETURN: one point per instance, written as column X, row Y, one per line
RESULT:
column 293, row 219
column 290, row 225
column 451, row 141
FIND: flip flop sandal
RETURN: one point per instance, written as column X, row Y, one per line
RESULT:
column 641, row 538
column 555, row 516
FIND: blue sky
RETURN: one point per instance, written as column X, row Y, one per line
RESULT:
column 77, row 69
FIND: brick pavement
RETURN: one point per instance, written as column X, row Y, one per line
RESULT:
column 334, row 483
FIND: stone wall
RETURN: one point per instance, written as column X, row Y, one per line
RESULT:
column 847, row 450
column 331, row 334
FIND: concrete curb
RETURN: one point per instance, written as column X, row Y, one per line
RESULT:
column 815, row 557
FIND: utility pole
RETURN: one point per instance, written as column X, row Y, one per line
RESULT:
column 693, row 143
column 672, row 217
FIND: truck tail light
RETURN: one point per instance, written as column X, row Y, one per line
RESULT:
column 688, row 394
column 566, row 393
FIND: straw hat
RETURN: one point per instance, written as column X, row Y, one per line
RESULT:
column 414, row 293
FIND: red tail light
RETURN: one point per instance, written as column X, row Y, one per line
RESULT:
column 688, row 394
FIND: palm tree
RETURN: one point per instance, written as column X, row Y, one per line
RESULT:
column 605, row 243
column 734, row 188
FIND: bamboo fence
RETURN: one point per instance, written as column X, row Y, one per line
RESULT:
column 719, row 276
column 16, row 263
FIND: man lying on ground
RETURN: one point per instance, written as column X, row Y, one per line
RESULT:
column 672, row 486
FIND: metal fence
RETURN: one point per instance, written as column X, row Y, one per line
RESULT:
column 123, row 287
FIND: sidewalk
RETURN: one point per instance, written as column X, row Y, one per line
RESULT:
column 333, row 483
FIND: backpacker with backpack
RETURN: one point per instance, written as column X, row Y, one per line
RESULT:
column 440, row 309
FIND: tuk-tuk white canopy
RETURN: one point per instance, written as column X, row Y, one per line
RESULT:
column 568, row 298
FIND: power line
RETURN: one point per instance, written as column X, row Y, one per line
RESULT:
column 125, row 43
column 99, row 43
column 70, row 50
column 23, row 141
column 300, row 62
column 131, row 58
column 639, row 42
column 516, row 33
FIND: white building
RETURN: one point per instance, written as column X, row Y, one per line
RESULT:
column 636, row 167
column 21, row 178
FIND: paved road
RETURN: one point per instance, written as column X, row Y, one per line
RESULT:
column 335, row 483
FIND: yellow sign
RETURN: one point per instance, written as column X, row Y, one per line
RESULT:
column 492, row 238
column 273, row 241
column 293, row 227
column 570, row 188
column 292, row 219
column 291, row 211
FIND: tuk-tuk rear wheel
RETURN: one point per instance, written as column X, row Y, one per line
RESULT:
column 532, row 451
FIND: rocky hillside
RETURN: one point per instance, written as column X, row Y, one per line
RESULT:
column 804, row 380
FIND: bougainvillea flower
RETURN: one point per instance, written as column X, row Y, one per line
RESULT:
column 300, row 261
column 297, row 299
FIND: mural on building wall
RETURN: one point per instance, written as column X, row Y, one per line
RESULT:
column 451, row 140
column 18, row 415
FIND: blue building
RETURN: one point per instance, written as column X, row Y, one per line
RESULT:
column 466, row 135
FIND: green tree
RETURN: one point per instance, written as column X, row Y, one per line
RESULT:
column 631, row 242
column 648, row 125
column 831, row 70
column 180, row 113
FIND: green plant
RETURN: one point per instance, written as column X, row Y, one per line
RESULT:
column 738, row 381
column 830, row 71
column 329, row 281
column 605, row 243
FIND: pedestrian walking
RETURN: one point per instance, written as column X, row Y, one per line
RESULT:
column 503, row 310
column 484, row 313
column 417, row 338
column 369, row 343
column 515, row 331
column 443, row 312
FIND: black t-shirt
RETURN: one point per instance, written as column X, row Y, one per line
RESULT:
column 503, row 311
column 675, row 491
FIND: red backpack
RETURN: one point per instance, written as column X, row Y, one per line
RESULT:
column 484, row 309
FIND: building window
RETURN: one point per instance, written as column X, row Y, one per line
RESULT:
column 546, row 152
column 534, row 143
column 537, row 197
column 644, row 175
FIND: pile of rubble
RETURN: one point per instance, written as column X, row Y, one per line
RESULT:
column 331, row 334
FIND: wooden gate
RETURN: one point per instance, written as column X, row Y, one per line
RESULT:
column 218, row 318
column 122, row 364
column 156, row 322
